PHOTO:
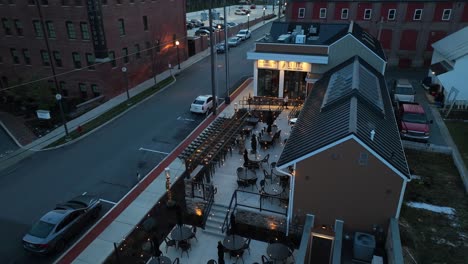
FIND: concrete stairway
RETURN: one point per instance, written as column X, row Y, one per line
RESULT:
column 215, row 220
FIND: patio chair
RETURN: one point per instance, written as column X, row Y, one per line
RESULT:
column 238, row 254
column 176, row 261
column 194, row 233
column 185, row 247
column 265, row 160
column 212, row 261
column 267, row 176
column 247, row 245
column 242, row 183
column 265, row 260
column 170, row 243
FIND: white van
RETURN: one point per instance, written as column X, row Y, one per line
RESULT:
column 403, row 91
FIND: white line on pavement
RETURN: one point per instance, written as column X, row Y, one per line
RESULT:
column 107, row 201
column 151, row 150
column 185, row 119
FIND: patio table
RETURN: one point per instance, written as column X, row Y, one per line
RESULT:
column 252, row 120
column 180, row 233
column 273, row 189
column 160, row 260
column 233, row 242
column 246, row 174
column 278, row 251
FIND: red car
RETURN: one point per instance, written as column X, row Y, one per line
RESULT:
column 253, row 7
column 412, row 121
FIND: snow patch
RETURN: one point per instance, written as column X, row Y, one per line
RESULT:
column 433, row 208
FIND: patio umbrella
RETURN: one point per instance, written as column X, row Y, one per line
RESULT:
column 179, row 216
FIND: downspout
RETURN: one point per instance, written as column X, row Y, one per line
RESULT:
column 291, row 197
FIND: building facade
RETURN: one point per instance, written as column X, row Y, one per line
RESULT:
column 87, row 43
column 406, row 29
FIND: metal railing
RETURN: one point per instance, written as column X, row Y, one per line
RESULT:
column 207, row 209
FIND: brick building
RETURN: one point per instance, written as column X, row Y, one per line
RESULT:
column 89, row 42
column 405, row 28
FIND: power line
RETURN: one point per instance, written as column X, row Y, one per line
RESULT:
column 84, row 68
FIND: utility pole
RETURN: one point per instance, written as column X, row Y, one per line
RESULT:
column 212, row 56
column 58, row 96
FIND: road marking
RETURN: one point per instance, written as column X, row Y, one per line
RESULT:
column 151, row 150
column 84, row 193
column 107, row 201
column 185, row 119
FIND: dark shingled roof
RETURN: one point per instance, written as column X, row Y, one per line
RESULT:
column 320, row 124
column 368, row 40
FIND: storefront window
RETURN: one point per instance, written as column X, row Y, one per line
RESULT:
column 295, row 84
column 268, row 82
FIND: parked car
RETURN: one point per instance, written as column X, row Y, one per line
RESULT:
column 244, row 34
column 197, row 22
column 212, row 29
column 202, row 104
column 412, row 121
column 240, row 12
column 57, row 227
column 403, row 91
column 202, row 32
column 189, row 25
column 234, row 41
column 231, row 24
column 220, row 47
column 253, row 6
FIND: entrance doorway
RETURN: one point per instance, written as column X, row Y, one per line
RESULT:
column 295, row 84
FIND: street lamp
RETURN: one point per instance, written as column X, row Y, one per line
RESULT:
column 59, row 101
column 264, row 11
column 263, row 17
column 219, row 32
column 248, row 21
column 124, row 70
column 178, row 58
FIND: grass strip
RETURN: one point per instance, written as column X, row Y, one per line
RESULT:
column 458, row 131
column 111, row 113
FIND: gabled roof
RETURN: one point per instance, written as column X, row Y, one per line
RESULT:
column 453, row 46
column 360, row 105
column 368, row 40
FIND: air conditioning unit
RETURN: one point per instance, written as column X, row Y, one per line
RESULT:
column 300, row 39
column 364, row 246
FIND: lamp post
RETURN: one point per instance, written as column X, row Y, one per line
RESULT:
column 59, row 100
column 219, row 32
column 263, row 17
column 248, row 21
column 177, row 43
column 124, row 70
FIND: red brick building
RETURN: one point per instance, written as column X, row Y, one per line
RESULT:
column 406, row 28
column 89, row 43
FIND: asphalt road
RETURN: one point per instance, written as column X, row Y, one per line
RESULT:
column 106, row 162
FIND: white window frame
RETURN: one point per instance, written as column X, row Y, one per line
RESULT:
column 416, row 12
column 324, row 9
column 301, row 11
column 394, row 14
column 367, row 11
column 449, row 15
column 343, row 12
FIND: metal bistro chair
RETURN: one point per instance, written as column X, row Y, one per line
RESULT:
column 170, row 243
column 185, row 247
column 247, row 245
column 265, row 160
column 265, row 260
column 194, row 233
column 267, row 176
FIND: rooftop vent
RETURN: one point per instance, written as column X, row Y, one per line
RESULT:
column 313, row 30
column 284, row 38
column 300, row 39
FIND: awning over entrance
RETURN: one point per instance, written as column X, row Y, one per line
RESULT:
column 440, row 67
column 287, row 57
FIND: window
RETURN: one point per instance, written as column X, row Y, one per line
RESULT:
column 19, row 27
column 27, row 57
column 44, row 2
column 57, row 58
column 363, row 158
column 45, row 58
column 391, row 14
column 83, row 90
column 65, row 2
column 50, row 29
column 104, row 2
column 132, row 1
column 63, row 88
column 367, row 14
column 417, row 14
column 78, row 2
column 6, row 26
column 14, row 56
column 95, row 90
column 145, row 23
column 137, row 51
column 76, row 60
column 37, row 29
column 344, row 13
column 11, row 2
column 446, row 14
column 125, row 54
column 119, row 2
column 70, row 30
column 301, row 13
column 112, row 57
column 90, row 61
column 121, row 27
column 31, row 2
column 84, row 30
column 323, row 13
